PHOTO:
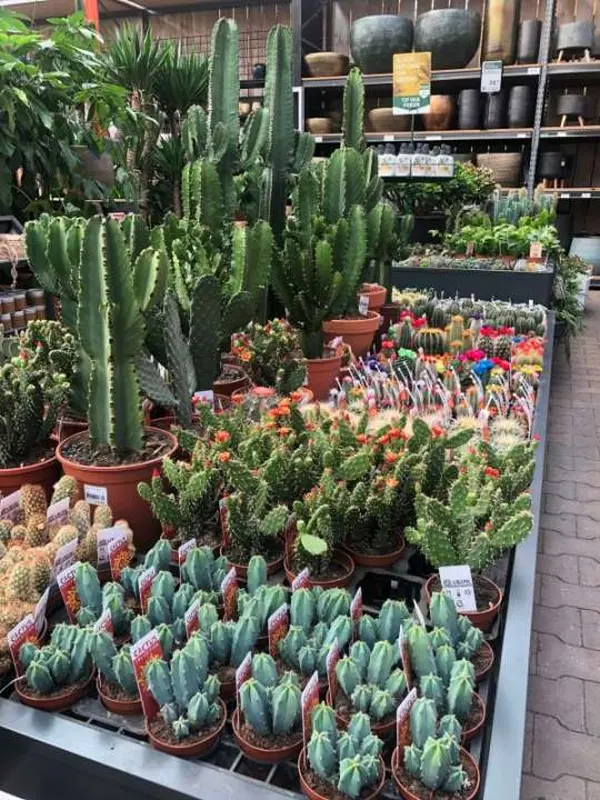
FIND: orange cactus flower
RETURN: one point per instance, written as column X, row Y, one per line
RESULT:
column 283, row 410
column 491, row 472
column 390, row 457
column 362, row 438
column 224, row 457
column 391, row 483
column 383, row 439
column 284, row 431
column 222, row 436
column 437, row 431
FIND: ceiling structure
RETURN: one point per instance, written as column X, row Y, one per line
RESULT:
column 40, row 10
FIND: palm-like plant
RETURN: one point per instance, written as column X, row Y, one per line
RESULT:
column 181, row 82
column 134, row 60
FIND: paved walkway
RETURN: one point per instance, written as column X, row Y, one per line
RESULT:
column 562, row 748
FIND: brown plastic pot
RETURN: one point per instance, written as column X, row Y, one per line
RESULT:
column 380, row 729
column 471, row 733
column 227, row 690
column 241, row 570
column 383, row 560
column 341, row 558
column 67, row 426
column 58, row 702
column 357, row 332
column 441, row 113
column 408, row 795
column 45, row 473
column 263, row 755
column 196, row 749
column 321, row 374
column 481, row 619
column 121, row 488
column 227, row 388
column 375, row 293
column 481, row 673
column 314, row 795
column 125, row 707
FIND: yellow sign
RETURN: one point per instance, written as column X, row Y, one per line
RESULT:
column 412, row 83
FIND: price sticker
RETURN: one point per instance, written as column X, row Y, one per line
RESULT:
column 389, row 137
column 562, row 134
column 565, row 196
column 586, row 195
column 535, row 250
column 435, row 138
column 491, row 76
column 457, row 583
column 363, row 305
column 521, row 136
column 318, row 139
column 533, row 70
column 95, row 495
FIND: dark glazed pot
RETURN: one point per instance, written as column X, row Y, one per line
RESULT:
column 575, row 36
column 495, row 110
column 450, row 34
column 574, row 105
column 500, row 31
column 375, row 39
column 469, row 109
column 521, row 106
column 551, row 165
column 528, row 43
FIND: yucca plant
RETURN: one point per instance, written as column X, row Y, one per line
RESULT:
column 181, row 82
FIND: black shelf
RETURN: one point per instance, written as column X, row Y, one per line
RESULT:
column 570, row 132
column 500, row 134
column 576, row 70
column 569, row 193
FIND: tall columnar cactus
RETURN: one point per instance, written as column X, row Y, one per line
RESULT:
column 270, row 704
column 354, row 111
column 369, row 680
column 231, row 641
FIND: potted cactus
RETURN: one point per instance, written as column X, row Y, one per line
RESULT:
column 267, row 722
column 229, row 643
column 95, row 601
column 341, row 764
column 116, row 683
column 115, row 289
column 258, row 599
column 434, row 762
column 204, row 573
column 191, row 715
column 59, row 674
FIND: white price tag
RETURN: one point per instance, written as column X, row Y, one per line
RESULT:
column 457, row 583
column 205, row 396
column 562, row 134
column 565, row 195
column 318, row 139
column 389, row 137
column 521, row 135
column 436, row 138
column 491, row 76
column 586, row 195
column 363, row 305
column 95, row 495
column 533, row 70
column 58, row 513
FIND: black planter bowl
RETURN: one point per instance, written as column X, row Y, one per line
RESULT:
column 495, row 110
column 575, row 105
column 451, row 34
column 469, row 109
column 521, row 106
column 551, row 165
column 574, row 37
column 528, row 42
column 375, row 39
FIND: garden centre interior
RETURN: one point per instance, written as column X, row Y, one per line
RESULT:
column 299, row 457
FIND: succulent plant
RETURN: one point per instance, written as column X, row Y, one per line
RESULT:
column 348, row 760
column 65, row 661
column 203, row 571
column 231, row 641
column 114, row 665
column 370, row 680
column 459, row 631
column 269, row 703
column 392, row 616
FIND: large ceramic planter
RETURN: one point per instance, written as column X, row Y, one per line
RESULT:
column 312, row 794
column 343, row 560
column 467, row 761
column 382, row 560
column 440, row 116
column 575, row 105
column 195, row 749
column 574, row 37
column 57, row 702
column 327, row 64
column 383, row 120
column 551, row 165
column 483, row 619
column 528, row 42
column 450, row 34
column 321, row 374
column 469, row 109
column 375, row 39
column 521, row 106
column 125, row 707
column 263, row 755
column 494, row 115
column 45, row 473
column 121, row 484
column 357, row 332
column 375, row 293
column 500, row 30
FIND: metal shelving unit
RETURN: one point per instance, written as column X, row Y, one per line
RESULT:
column 503, row 134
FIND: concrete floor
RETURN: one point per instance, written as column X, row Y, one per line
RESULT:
column 562, row 747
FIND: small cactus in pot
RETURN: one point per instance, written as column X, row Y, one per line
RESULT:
column 117, row 685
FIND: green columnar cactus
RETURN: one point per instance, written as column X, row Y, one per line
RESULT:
column 65, row 661
column 431, row 340
column 392, row 616
column 354, row 111
column 271, row 709
column 103, row 652
column 421, row 652
column 204, row 571
column 123, row 669
column 88, row 586
column 369, row 680
column 231, row 641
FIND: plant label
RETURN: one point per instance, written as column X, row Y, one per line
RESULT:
column 229, row 590
column 183, row 552
column 242, row 674
column 302, row 580
column 104, row 623
column 363, row 305
column 58, row 513
column 10, row 506
column 145, row 582
column 95, row 495
column 205, row 396
column 491, row 76
column 277, row 627
column 142, row 652
column 191, row 619
column 24, row 631
column 68, row 592
column 119, row 555
column 419, row 615
column 356, row 606
column 309, row 699
column 535, row 250
column 105, row 536
column 224, row 517
column 403, row 718
column 405, row 657
column 64, row 557
column 457, row 583
column 333, row 656
column 39, row 612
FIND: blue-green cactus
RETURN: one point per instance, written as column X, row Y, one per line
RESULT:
column 129, row 578
column 264, row 669
column 421, row 653
column 348, row 675
column 432, row 687
column 383, row 657
column 140, row 626
column 360, row 653
column 368, row 630
column 392, row 616
column 123, row 669
column 443, row 614
column 103, row 652
column 423, row 721
column 88, row 587
column 63, row 662
column 340, row 632
column 291, row 645
column 159, row 556
column 303, row 609
column 207, row 616
column 257, row 573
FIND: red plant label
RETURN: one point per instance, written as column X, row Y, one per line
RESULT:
column 64, row 558
column 24, row 631
column 405, row 657
column 105, row 536
column 403, row 718
column 183, row 551
column 333, row 656
column 310, row 698
column 229, row 590
column 356, row 607
column 142, row 652
column 277, row 627
column 104, row 624
column 58, row 513
column 39, row 612
column 68, row 591
column 242, row 674
column 191, row 619
column 145, row 582
column 302, row 580
column 119, row 556
column 10, row 506
column 224, row 517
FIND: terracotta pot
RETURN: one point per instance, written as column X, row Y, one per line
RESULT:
column 227, row 388
column 66, row 426
column 481, row 619
column 408, row 795
column 46, row 473
column 341, row 558
column 241, row 570
column 125, row 707
column 375, row 293
column 383, row 560
column 358, row 332
column 326, row 64
column 321, row 126
column 313, row 795
column 121, row 487
column 481, row 673
column 196, row 749
column 227, row 690
column 59, row 702
column 471, row 733
column 321, row 374
column 440, row 116
column 164, row 423
column 260, row 754
column 383, row 120
column 380, row 729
